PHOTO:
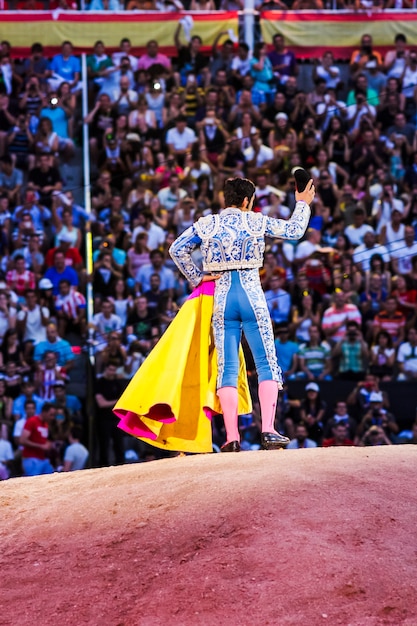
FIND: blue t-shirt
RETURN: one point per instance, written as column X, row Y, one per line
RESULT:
column 59, row 121
column 66, row 68
column 285, row 352
column 54, row 276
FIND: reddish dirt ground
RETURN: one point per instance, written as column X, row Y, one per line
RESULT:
column 300, row 538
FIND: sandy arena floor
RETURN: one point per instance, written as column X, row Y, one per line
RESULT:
column 306, row 537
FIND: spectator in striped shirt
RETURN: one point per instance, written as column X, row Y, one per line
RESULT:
column 337, row 315
column 391, row 320
column 314, row 357
column 70, row 307
column 19, row 279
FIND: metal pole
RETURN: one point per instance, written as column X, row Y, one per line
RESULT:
column 89, row 296
column 249, row 22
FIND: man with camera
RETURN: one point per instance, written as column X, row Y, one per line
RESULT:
column 352, row 350
column 376, row 418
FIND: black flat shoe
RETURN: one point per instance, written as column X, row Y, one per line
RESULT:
column 232, row 446
column 273, row 441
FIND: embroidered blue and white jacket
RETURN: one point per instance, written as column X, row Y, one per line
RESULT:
column 234, row 239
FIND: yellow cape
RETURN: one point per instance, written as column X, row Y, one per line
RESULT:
column 171, row 398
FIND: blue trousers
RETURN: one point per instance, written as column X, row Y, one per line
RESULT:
column 239, row 304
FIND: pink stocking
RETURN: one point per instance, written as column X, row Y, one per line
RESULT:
column 268, row 396
column 228, row 400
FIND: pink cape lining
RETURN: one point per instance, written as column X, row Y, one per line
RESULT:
column 131, row 422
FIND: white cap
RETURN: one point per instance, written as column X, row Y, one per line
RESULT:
column 312, row 387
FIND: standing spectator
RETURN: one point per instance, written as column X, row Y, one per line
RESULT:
column 76, row 454
column 153, row 57
column 7, row 312
column 37, row 64
column 32, row 319
column 283, row 61
column 125, row 48
column 142, row 325
column 108, row 389
column 6, row 454
column 190, row 58
column 35, row 443
column 359, row 58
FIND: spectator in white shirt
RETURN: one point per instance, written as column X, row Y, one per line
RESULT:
column 156, row 234
column 403, row 251
column 362, row 254
column 357, row 231
column 170, row 196
column 180, row 139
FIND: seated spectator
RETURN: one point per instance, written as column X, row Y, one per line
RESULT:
column 356, row 231
column 112, row 353
column 341, row 416
column 278, row 299
column 66, row 402
column 70, row 306
column 403, row 128
column 308, row 246
column 11, row 180
column 359, row 58
column 339, row 438
column 101, row 117
column 105, row 5
column 325, row 68
column 376, row 415
column 46, row 140
column 372, row 301
column 61, row 270
column 406, row 298
column 382, row 357
column 20, row 144
column 65, row 67
column 56, row 344
column 19, row 279
column 402, row 252
column 153, row 57
column 258, row 155
column 407, row 357
column 156, row 266
column 393, row 231
column 36, row 211
column 59, row 112
column 6, row 454
column 146, row 224
column 364, row 252
column 287, row 351
column 170, row 196
column 352, row 351
column 337, row 316
column 374, row 436
column 305, row 313
column 314, row 357
column 44, row 179
column 48, row 372
column 301, row 439
column 312, row 411
column 36, row 64
column 35, row 443
column 105, row 322
column 392, row 321
column 105, row 274
column 180, row 139
column 142, row 325
column 7, row 312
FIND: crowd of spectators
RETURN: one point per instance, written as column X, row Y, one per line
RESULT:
column 164, row 135
column 202, row 5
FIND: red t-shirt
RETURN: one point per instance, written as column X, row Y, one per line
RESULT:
column 327, row 443
column 72, row 257
column 38, row 434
